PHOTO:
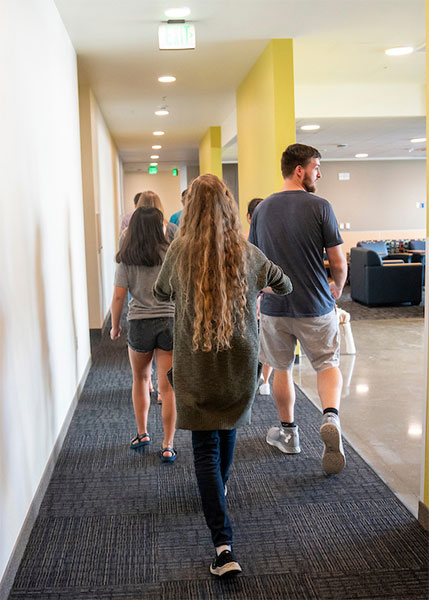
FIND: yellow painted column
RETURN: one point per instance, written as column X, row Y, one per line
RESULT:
column 424, row 503
column 211, row 152
column 265, row 122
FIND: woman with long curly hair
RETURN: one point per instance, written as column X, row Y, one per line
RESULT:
column 214, row 276
column 150, row 323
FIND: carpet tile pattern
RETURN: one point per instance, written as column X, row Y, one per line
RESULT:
column 117, row 524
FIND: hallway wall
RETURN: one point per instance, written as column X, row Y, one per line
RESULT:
column 381, row 194
column 102, row 197
column 163, row 183
column 44, row 342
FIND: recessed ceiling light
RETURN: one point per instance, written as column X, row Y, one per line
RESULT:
column 153, row 164
column 177, row 13
column 154, row 156
column 156, row 147
column 362, row 388
column 399, row 51
column 158, row 133
column 361, row 155
column 167, row 79
column 310, row 127
column 415, row 430
column 162, row 112
column 417, row 140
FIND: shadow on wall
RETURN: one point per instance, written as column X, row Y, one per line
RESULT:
column 44, row 351
column 72, row 304
column 3, row 424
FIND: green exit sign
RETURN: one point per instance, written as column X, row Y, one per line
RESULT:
column 153, row 170
column 175, row 172
column 176, row 36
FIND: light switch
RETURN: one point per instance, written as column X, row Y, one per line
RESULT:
column 347, row 225
column 341, row 225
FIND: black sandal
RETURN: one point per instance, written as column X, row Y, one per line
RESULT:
column 171, row 458
column 137, row 441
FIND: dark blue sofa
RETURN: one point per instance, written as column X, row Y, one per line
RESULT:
column 381, row 248
column 418, row 245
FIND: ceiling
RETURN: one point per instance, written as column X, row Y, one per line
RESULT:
column 336, row 42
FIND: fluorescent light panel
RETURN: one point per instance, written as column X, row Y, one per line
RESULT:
column 166, row 79
column 310, row 127
column 399, row 51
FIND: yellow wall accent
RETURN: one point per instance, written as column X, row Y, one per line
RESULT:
column 211, row 152
column 426, row 442
column 265, row 122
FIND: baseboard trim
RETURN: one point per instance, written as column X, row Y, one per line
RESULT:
column 423, row 515
column 23, row 537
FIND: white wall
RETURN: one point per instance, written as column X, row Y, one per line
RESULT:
column 44, row 344
column 163, row 183
column 357, row 100
column 380, row 195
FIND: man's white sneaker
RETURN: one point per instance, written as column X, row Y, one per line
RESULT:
column 264, row 389
column 285, row 439
column 333, row 457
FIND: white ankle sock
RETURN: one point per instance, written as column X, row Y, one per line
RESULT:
column 220, row 549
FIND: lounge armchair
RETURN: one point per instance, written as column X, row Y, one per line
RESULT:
column 373, row 281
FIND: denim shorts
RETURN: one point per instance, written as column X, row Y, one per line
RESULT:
column 145, row 335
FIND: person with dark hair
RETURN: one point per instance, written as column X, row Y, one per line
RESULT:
column 126, row 218
column 214, row 275
column 294, row 228
column 175, row 218
column 251, row 207
column 150, row 322
column 149, row 198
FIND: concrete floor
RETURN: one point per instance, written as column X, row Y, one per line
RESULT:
column 383, row 400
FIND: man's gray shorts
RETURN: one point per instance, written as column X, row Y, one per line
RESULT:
column 318, row 336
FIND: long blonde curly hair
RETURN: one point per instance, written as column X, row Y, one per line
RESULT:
column 211, row 264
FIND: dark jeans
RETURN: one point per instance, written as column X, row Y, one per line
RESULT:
column 213, row 452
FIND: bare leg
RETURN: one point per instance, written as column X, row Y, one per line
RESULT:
column 140, row 365
column 164, row 361
column 284, row 394
column 329, row 385
column 266, row 372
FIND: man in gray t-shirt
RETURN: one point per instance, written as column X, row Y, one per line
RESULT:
column 294, row 228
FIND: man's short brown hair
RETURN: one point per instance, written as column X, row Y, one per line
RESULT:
column 297, row 154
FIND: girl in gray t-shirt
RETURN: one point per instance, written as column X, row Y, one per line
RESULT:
column 150, row 322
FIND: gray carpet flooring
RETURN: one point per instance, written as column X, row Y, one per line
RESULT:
column 118, row 524
column 359, row 312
